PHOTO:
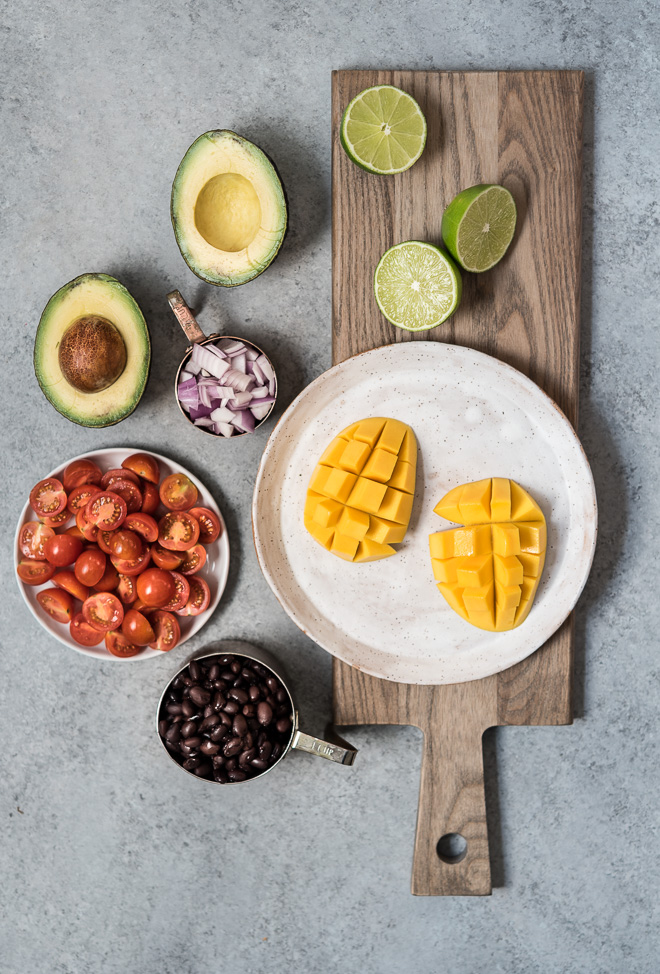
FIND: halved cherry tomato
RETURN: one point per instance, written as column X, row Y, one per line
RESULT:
column 90, row 566
column 81, row 496
column 193, row 560
column 32, row 540
column 47, row 498
column 83, row 633
column 165, row 558
column 117, row 473
column 117, row 644
column 210, row 527
column 150, row 498
column 88, row 530
column 126, row 545
column 144, row 465
column 143, row 524
column 141, row 606
column 103, row 612
column 178, row 531
column 127, row 589
column 107, row 511
column 130, row 492
column 34, row 572
column 167, row 629
column 126, row 567
column 109, row 580
column 155, row 587
column 75, row 532
column 200, row 596
column 62, row 550
column 181, row 595
column 104, row 541
column 68, row 581
column 80, row 472
column 58, row 520
column 178, row 492
column 137, row 628
column 56, row 603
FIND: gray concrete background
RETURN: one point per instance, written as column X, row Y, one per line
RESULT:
column 111, row 860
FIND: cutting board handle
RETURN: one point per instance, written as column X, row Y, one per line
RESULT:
column 451, row 845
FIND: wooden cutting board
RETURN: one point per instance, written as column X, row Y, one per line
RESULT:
column 522, row 129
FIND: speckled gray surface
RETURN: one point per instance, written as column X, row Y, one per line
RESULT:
column 114, row 862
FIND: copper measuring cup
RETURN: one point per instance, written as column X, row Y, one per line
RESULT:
column 196, row 336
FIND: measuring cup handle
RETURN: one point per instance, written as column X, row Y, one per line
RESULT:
column 342, row 752
column 185, row 317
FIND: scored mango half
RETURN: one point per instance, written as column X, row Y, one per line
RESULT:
column 489, row 569
column 360, row 495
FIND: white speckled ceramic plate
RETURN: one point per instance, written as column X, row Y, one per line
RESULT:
column 474, row 417
column 215, row 570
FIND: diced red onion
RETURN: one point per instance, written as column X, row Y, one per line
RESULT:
column 222, row 415
column 207, row 360
column 261, row 411
column 239, row 362
column 240, row 400
column 200, row 412
column 251, row 354
column 225, row 429
column 266, row 367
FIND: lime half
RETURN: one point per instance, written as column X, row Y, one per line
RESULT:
column 417, row 285
column 383, row 130
column 478, row 226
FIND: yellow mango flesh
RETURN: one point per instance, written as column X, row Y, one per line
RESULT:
column 361, row 492
column 489, row 570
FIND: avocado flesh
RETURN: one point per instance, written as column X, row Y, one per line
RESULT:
column 93, row 296
column 228, row 209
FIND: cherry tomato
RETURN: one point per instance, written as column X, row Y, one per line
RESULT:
column 193, row 560
column 155, row 587
column 117, row 473
column 178, row 492
column 83, row 633
column 88, row 530
column 80, row 472
column 126, row 545
column 166, row 559
column 117, row 644
column 144, row 465
column 33, row 572
column 150, row 498
column 167, row 629
column 81, row 496
column 90, row 566
column 58, row 520
column 130, row 492
column 178, row 531
column 62, row 550
column 75, row 532
column 199, row 599
column 47, row 498
column 126, row 567
column 107, row 511
column 32, row 540
column 103, row 612
column 142, row 524
column 104, row 541
column 137, row 628
column 127, row 589
column 210, row 527
column 109, row 580
column 142, row 606
column 68, row 581
column 56, row 603
column 181, row 594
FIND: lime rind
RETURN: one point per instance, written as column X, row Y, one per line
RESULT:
column 417, row 286
column 478, row 226
column 383, row 130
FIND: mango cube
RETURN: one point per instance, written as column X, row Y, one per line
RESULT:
column 369, row 430
column 339, row 484
column 392, row 436
column 532, row 564
column 533, row 537
column 344, row 547
column 524, row 507
column 353, row 457
column 403, row 477
column 508, row 596
column 500, row 499
column 442, row 544
column 332, row 453
column 352, row 523
column 506, row 539
column 444, row 571
column 324, row 536
column 408, row 451
column 385, row 532
column 367, row 495
column 474, row 503
column 396, row 506
column 372, row 551
column 327, row 512
column 448, row 506
column 474, row 572
column 380, row 465
column 508, row 571
column 453, row 592
column 319, row 479
column 474, row 540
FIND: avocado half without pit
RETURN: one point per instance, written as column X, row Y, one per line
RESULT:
column 92, row 351
column 228, row 209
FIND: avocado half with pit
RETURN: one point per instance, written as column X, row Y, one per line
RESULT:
column 92, row 351
column 228, row 209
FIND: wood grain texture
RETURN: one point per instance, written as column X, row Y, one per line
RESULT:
column 523, row 130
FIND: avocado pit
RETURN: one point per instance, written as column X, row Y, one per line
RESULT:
column 92, row 354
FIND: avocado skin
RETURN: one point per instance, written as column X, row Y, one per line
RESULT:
column 42, row 348
column 179, row 234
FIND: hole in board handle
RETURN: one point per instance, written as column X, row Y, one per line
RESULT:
column 452, row 848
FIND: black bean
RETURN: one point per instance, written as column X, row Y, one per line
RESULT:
column 283, row 725
column 208, row 747
column 245, row 758
column 247, row 675
column 227, row 676
column 193, row 742
column 248, row 740
column 218, row 733
column 226, row 719
column 177, row 683
column 191, row 763
column 200, row 696
column 264, row 713
column 233, row 747
column 230, row 764
column 277, row 750
column 262, row 737
column 195, row 671
column 203, row 771
column 239, row 726
column 172, row 748
column 188, row 729
column 173, row 734
column 210, row 721
column 208, row 710
column 219, row 701
column 253, row 693
column 265, row 750
column 236, row 667
column 162, row 727
column 259, row 764
column 226, row 660
column 253, row 724
column 249, row 710
column 272, row 684
column 173, row 708
column 188, row 708
column 236, row 775
column 239, row 695
column 220, row 685
column 281, row 696
column 231, row 707
column 214, row 671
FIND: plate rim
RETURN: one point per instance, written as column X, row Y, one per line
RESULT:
column 149, row 653
column 505, row 367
